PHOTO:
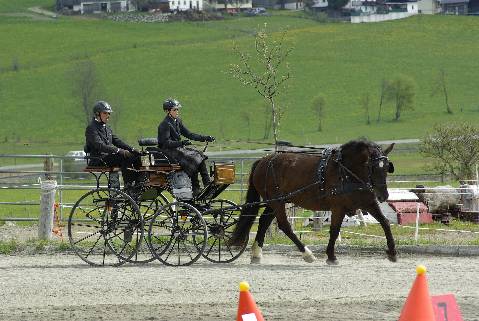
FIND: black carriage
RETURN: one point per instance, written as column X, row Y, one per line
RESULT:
column 160, row 220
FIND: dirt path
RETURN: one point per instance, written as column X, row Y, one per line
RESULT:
column 60, row 287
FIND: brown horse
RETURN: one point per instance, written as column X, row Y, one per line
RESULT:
column 341, row 180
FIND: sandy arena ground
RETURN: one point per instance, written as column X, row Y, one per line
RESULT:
column 62, row 287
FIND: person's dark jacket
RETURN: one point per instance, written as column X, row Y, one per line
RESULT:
column 100, row 140
column 170, row 132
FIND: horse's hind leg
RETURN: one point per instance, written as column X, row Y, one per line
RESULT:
column 264, row 222
column 284, row 225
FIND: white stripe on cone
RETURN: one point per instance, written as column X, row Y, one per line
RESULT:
column 249, row 317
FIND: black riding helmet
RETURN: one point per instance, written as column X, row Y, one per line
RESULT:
column 171, row 103
column 101, row 107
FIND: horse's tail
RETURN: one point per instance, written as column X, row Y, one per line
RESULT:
column 248, row 213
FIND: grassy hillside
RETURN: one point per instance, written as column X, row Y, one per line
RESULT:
column 140, row 65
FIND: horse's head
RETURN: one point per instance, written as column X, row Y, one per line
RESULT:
column 368, row 165
column 379, row 167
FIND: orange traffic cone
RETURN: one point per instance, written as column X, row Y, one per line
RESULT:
column 247, row 309
column 418, row 306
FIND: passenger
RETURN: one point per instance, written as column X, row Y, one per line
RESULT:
column 191, row 160
column 105, row 148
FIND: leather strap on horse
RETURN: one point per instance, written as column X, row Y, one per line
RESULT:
column 345, row 174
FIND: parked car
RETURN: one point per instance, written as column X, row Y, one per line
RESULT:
column 258, row 11
column 74, row 161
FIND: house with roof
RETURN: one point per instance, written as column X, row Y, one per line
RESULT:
column 95, row 6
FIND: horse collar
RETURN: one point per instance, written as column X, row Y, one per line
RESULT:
column 347, row 178
column 323, row 163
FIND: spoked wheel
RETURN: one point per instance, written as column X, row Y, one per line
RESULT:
column 221, row 219
column 177, row 234
column 148, row 208
column 105, row 227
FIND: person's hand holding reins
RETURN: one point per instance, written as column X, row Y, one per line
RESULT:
column 124, row 153
column 209, row 139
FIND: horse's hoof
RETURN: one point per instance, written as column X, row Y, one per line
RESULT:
column 255, row 260
column 308, row 256
column 332, row 262
column 392, row 258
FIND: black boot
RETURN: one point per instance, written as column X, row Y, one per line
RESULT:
column 205, row 176
column 195, row 184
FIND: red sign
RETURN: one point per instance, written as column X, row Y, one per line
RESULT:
column 446, row 308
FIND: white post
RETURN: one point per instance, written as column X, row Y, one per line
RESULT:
column 416, row 234
column 45, row 224
column 359, row 213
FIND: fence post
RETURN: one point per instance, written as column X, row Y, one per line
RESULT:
column 416, row 233
column 47, row 203
column 48, row 167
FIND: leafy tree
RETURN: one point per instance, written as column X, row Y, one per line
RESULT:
column 337, row 4
column 441, row 87
column 455, row 149
column 318, row 106
column 268, row 72
column 308, row 5
column 401, row 91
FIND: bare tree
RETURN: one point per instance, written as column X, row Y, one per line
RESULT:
column 384, row 85
column 117, row 106
column 364, row 103
column 269, row 72
column 318, row 106
column 454, row 147
column 246, row 116
column 86, row 86
column 401, row 91
column 441, row 87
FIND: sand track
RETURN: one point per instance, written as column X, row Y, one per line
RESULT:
column 61, row 287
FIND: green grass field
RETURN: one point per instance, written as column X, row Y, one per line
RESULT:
column 140, row 65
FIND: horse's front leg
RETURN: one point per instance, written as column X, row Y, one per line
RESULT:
column 337, row 217
column 375, row 211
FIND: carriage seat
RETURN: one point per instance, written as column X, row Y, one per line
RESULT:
column 151, row 146
column 98, row 168
column 147, row 142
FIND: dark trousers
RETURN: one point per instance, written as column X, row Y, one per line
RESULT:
column 205, row 177
column 125, row 163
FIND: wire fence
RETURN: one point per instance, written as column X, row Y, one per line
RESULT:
column 21, row 175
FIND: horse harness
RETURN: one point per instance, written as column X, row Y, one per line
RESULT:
column 348, row 181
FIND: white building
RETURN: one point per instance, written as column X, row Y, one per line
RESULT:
column 95, row 6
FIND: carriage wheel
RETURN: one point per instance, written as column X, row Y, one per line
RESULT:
column 105, row 227
column 221, row 220
column 148, row 208
column 177, row 234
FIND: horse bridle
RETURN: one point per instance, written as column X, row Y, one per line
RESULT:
column 372, row 164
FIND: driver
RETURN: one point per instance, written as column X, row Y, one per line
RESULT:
column 191, row 160
column 105, row 148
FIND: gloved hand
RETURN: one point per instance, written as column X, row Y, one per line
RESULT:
column 210, row 139
column 135, row 152
column 185, row 142
column 124, row 153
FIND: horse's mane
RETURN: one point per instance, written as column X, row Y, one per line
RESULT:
column 358, row 143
